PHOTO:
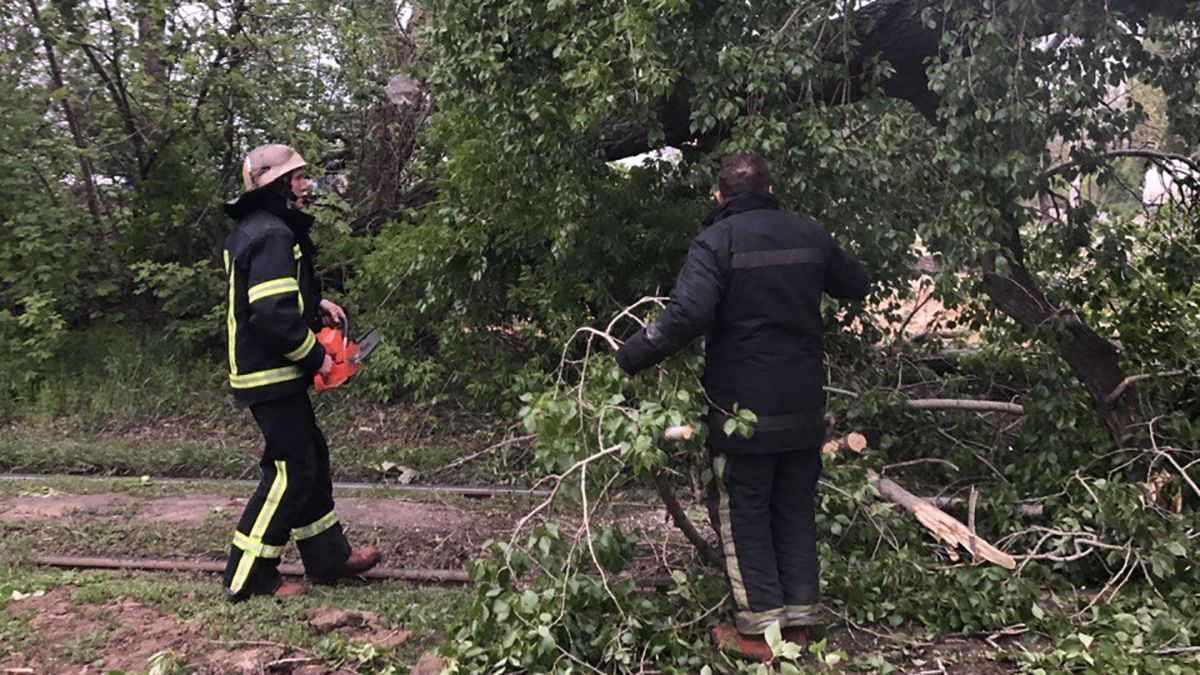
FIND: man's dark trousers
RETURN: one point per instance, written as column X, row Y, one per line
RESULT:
column 294, row 499
column 763, row 507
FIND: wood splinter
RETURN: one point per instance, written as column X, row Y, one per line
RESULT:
column 944, row 527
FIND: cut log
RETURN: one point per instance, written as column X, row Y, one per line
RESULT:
column 853, row 441
column 943, row 526
column 676, row 434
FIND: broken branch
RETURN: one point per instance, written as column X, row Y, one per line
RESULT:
column 675, row 509
column 948, row 403
column 943, row 526
column 965, row 404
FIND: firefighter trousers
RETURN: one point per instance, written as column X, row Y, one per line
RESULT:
column 294, row 499
column 763, row 507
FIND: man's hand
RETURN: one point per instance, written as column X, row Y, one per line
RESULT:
column 331, row 313
column 326, row 365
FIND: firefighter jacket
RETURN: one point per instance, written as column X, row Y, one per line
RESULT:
column 753, row 281
column 273, row 299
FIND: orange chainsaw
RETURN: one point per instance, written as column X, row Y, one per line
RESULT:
column 348, row 354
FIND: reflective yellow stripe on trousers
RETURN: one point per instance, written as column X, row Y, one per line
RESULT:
column 732, row 568
column 278, row 487
column 309, row 531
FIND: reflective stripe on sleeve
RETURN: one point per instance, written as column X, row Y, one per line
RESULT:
column 302, row 351
column 273, row 287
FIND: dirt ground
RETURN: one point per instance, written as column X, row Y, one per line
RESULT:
column 132, row 634
column 87, row 635
column 411, row 533
column 124, row 634
column 129, row 635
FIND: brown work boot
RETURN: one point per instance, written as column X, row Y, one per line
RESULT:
column 285, row 589
column 742, row 645
column 797, row 635
column 288, row 589
column 360, row 560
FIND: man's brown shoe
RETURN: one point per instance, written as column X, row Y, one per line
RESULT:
column 797, row 635
column 285, row 589
column 360, row 560
column 744, row 646
column 288, row 589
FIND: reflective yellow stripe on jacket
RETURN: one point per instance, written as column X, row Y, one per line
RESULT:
column 302, row 351
column 273, row 287
column 298, row 255
column 265, row 377
column 230, row 319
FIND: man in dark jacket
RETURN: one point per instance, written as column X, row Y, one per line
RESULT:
column 274, row 301
column 753, row 281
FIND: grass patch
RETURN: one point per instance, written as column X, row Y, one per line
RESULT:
column 48, row 450
column 126, row 403
column 40, row 450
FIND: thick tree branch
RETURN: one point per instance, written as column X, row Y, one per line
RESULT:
column 890, row 31
column 1093, row 359
column 1160, row 158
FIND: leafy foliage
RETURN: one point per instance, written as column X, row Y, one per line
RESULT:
column 124, row 125
column 1023, row 113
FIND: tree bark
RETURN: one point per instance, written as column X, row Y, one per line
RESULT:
column 685, row 524
column 1093, row 359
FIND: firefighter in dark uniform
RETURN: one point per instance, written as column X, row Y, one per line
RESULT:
column 275, row 305
column 752, row 284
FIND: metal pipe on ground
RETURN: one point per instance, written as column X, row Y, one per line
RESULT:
column 463, row 490
column 418, row 575
column 213, row 566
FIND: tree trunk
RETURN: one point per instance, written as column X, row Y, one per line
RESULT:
column 1093, row 359
column 86, row 174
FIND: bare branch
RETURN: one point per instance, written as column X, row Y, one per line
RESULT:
column 1163, row 159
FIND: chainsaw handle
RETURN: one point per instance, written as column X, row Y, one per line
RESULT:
column 346, row 327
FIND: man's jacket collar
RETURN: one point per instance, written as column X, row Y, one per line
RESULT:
column 263, row 199
column 750, row 201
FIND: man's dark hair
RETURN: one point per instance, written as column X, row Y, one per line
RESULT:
column 742, row 173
